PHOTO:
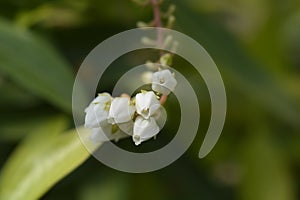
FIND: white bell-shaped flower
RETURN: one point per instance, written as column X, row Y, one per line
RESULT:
column 121, row 113
column 97, row 111
column 121, row 110
column 163, row 82
column 106, row 133
column 146, row 77
column 146, row 104
column 144, row 129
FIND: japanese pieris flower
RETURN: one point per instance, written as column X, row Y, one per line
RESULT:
column 144, row 129
column 97, row 111
column 163, row 82
column 146, row 104
column 112, row 118
column 121, row 113
column 146, row 77
column 109, row 118
column 121, row 110
column 107, row 133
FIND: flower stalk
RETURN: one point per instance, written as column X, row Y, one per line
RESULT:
column 140, row 117
column 157, row 21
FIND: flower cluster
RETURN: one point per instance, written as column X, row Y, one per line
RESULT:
column 115, row 118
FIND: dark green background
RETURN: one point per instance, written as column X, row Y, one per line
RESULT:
column 255, row 44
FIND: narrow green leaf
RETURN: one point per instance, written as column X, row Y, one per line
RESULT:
column 45, row 157
column 35, row 65
column 15, row 97
column 15, row 127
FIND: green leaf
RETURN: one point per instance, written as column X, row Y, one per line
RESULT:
column 16, row 126
column 35, row 65
column 15, row 97
column 45, row 157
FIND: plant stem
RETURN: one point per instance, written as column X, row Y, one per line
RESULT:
column 163, row 99
column 157, row 21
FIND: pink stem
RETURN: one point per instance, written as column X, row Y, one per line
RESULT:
column 157, row 21
column 163, row 99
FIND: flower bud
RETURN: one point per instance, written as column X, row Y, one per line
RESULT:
column 120, row 110
column 146, row 104
column 163, row 82
column 97, row 111
column 107, row 133
column 144, row 129
column 166, row 59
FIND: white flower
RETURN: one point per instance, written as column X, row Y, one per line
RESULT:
column 97, row 111
column 107, row 133
column 146, row 104
column 120, row 111
column 160, row 117
column 144, row 129
column 163, row 82
column 146, row 77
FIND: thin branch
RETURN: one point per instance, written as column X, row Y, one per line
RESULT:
column 157, row 21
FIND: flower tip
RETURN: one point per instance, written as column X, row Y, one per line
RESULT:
column 137, row 140
column 125, row 95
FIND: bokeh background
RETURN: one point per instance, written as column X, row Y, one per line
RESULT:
column 255, row 44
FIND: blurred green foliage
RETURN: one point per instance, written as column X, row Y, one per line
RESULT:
column 255, row 44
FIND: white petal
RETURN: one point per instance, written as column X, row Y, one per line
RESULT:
column 97, row 111
column 146, row 77
column 95, row 116
column 104, row 134
column 146, row 104
column 102, row 98
column 144, row 129
column 160, row 117
column 163, row 82
column 120, row 110
column 98, row 135
column 126, row 127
